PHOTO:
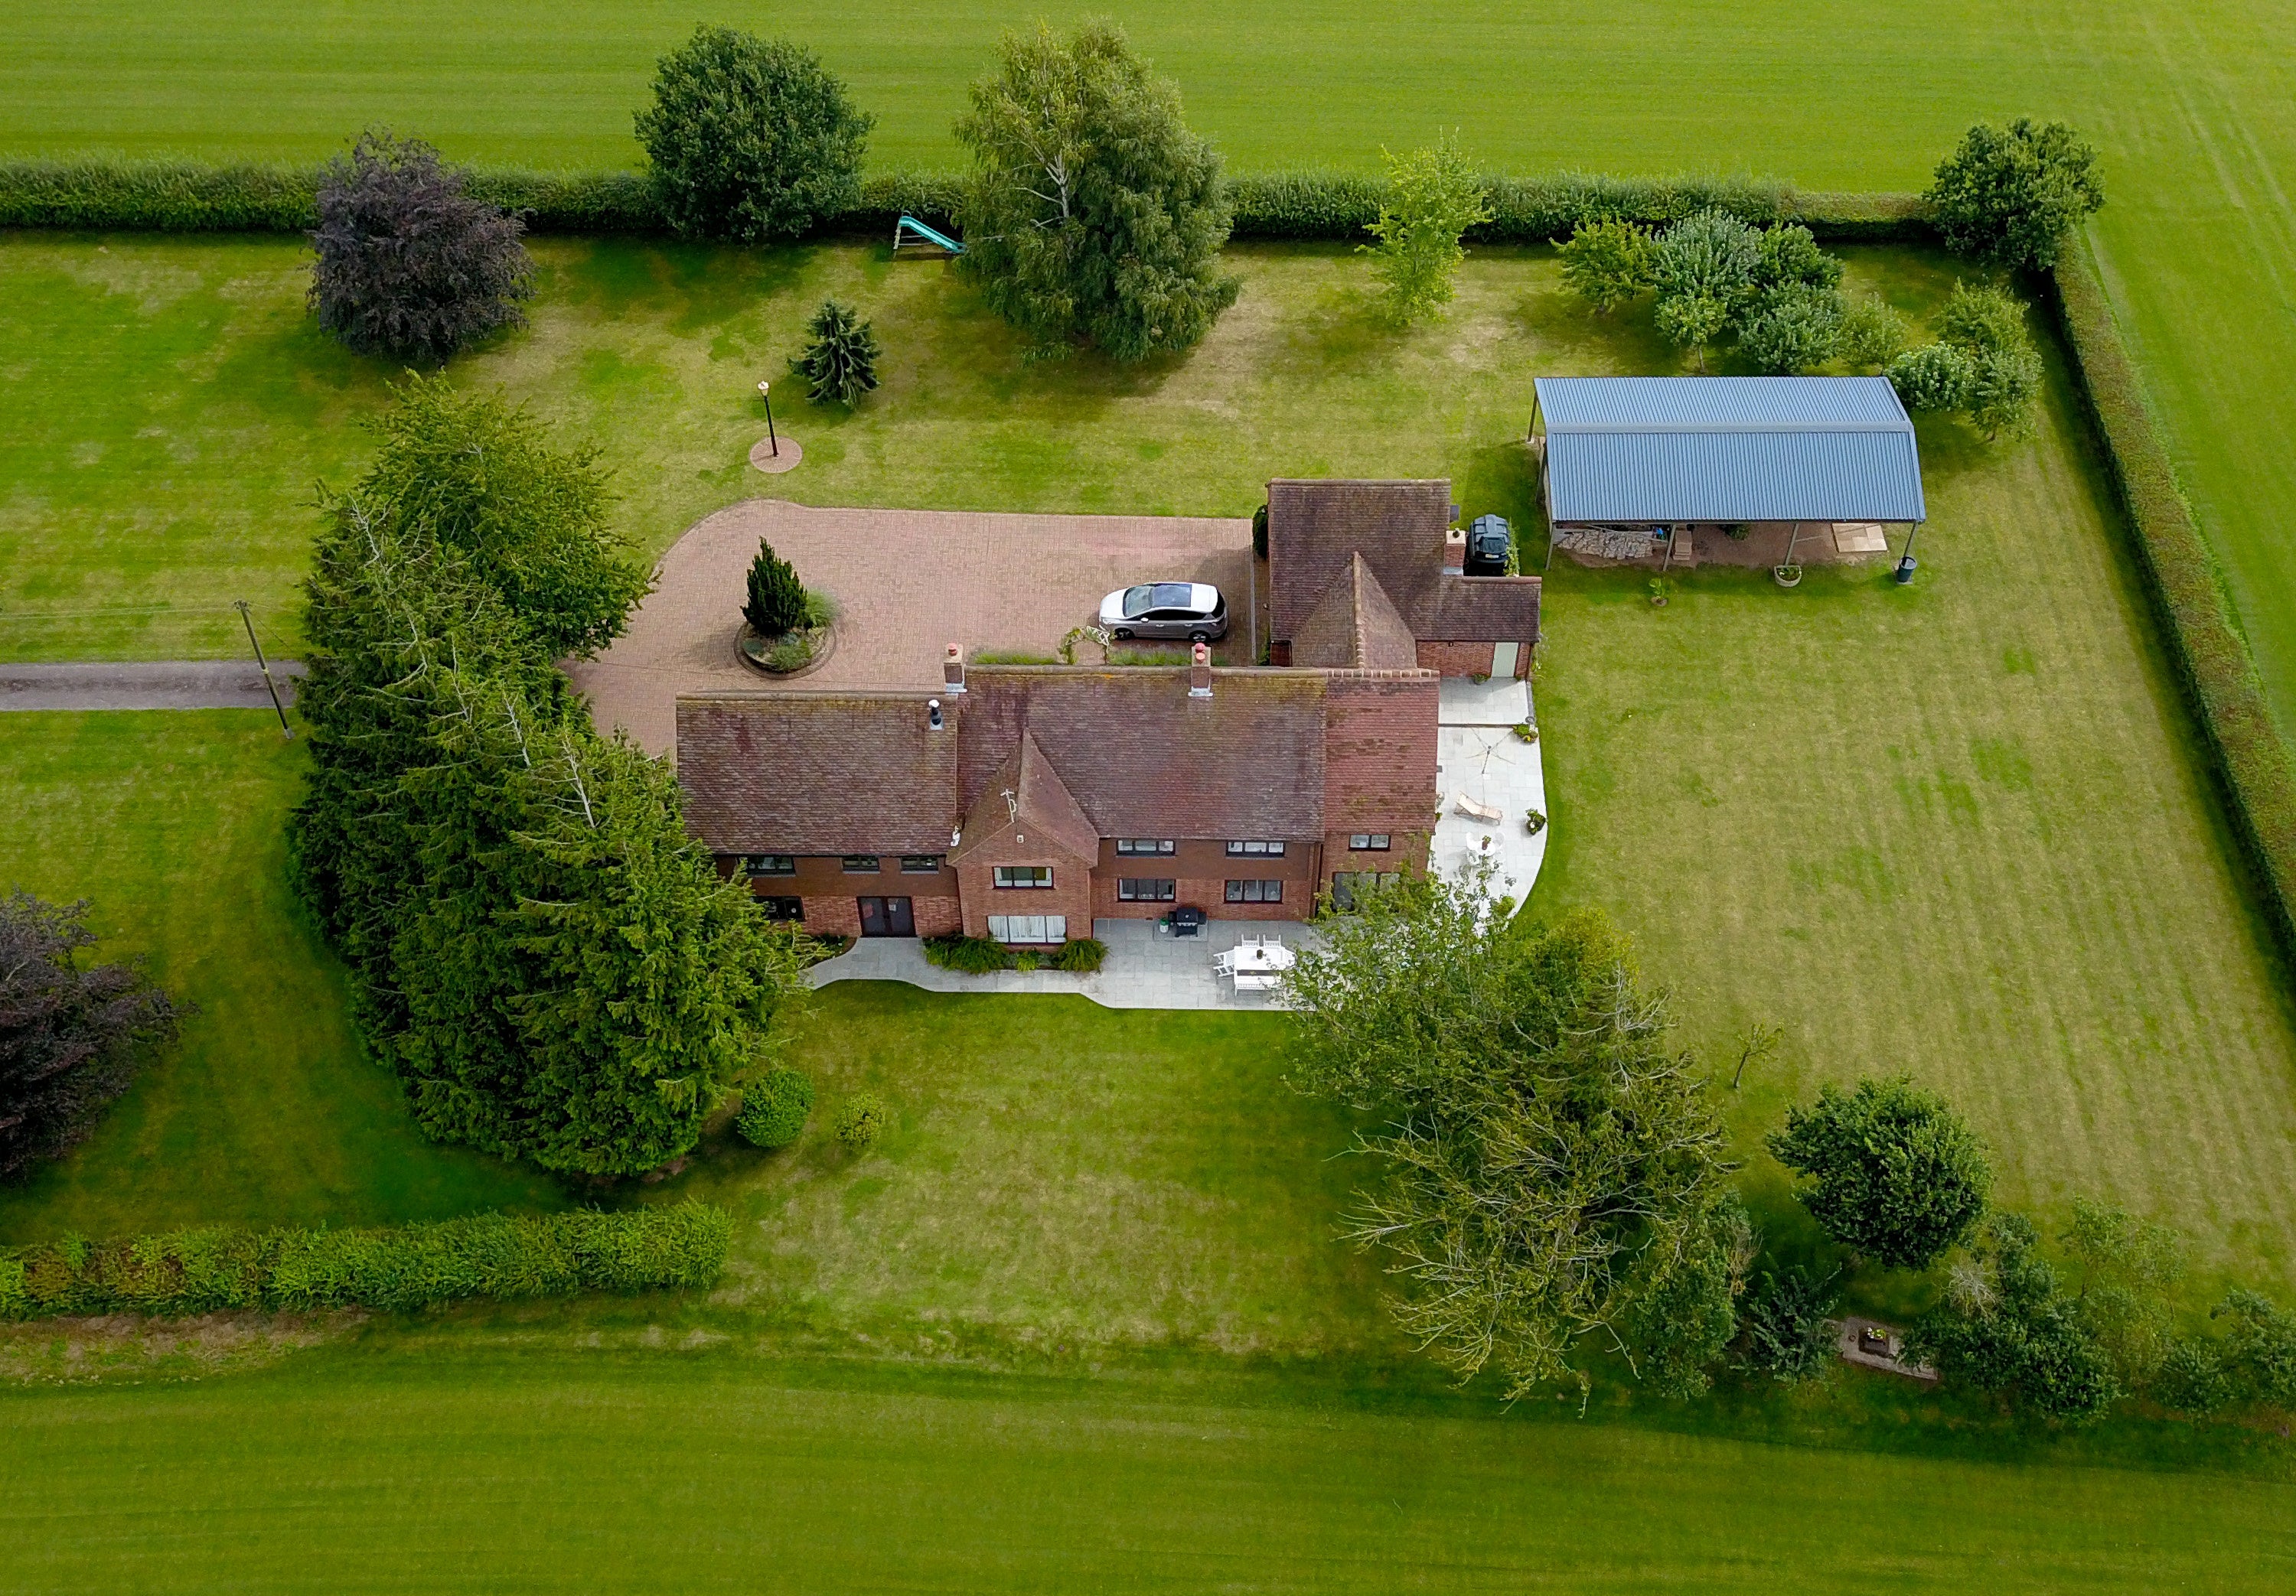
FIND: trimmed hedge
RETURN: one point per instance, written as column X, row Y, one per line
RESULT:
column 100, row 192
column 487, row 1255
column 2247, row 755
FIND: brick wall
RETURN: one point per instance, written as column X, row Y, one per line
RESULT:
column 832, row 916
column 939, row 916
column 1379, row 758
column 1070, row 894
column 1209, row 894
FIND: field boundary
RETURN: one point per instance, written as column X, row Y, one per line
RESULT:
column 106, row 193
column 2246, row 752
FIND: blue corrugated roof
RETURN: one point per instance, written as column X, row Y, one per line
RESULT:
column 1728, row 449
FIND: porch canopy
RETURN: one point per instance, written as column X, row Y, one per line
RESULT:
column 1625, row 451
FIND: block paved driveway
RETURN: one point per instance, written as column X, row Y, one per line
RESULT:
column 906, row 583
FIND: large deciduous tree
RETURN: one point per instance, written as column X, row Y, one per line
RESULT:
column 1553, row 1179
column 1093, row 214
column 1703, row 268
column 72, row 1034
column 2011, row 195
column 751, row 139
column 1895, row 1175
column 409, row 266
column 1434, row 197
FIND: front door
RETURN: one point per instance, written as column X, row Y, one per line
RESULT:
column 888, row 916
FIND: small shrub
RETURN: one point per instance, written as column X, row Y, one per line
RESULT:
column 1081, row 955
column 1607, row 263
column 861, row 1119
column 1936, row 377
column 1981, row 319
column 1788, row 257
column 840, row 363
column 2260, row 1351
column 1795, row 328
column 775, row 601
column 409, row 264
column 2193, row 1379
column 751, row 139
column 968, row 955
column 775, row 1111
column 1787, row 1328
column 1871, row 333
column 1259, row 533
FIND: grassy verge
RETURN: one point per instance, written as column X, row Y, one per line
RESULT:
column 700, row 1474
column 267, row 1113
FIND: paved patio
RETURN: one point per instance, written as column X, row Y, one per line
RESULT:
column 1479, row 757
column 1147, row 967
column 906, row 583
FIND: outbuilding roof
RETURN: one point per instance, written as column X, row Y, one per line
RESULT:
column 1667, row 449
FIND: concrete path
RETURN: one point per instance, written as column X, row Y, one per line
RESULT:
column 1147, row 967
column 146, row 684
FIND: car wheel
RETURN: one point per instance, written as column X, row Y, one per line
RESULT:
column 1121, row 633
column 1200, row 635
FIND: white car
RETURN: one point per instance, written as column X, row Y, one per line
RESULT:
column 1190, row 611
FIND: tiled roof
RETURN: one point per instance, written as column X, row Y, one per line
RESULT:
column 1356, row 627
column 1144, row 759
column 1040, row 804
column 1316, row 531
column 817, row 772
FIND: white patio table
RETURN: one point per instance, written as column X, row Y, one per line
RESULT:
column 1259, row 964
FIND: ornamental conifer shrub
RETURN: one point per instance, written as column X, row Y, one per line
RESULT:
column 775, row 603
column 409, row 264
column 840, row 363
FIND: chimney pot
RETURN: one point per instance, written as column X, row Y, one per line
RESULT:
column 1199, row 673
column 932, row 714
column 952, row 671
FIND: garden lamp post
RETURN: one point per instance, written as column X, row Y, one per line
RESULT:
column 766, row 392
column 1906, row 562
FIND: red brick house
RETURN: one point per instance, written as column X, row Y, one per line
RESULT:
column 1023, row 802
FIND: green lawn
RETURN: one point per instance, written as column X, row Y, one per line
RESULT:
column 267, row 1113
column 623, row 1473
column 2189, row 104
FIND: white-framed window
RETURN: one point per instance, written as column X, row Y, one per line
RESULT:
column 1022, row 875
column 1146, row 845
column 1145, row 890
column 1255, row 892
column 1370, row 842
column 769, row 864
column 1255, row 850
column 1029, row 927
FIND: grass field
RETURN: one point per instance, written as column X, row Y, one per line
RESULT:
column 656, row 1473
column 2188, row 103
column 267, row 1113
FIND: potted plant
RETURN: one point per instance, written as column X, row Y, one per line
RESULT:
column 1658, row 591
column 1786, row 575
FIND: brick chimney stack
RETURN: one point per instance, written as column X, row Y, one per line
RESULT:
column 1199, row 673
column 952, row 671
column 1455, row 551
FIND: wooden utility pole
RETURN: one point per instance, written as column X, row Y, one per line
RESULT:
column 264, row 665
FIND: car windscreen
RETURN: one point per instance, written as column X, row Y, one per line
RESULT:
column 1138, row 602
column 1156, row 595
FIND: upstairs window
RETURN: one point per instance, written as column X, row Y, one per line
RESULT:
column 861, row 865
column 1255, row 850
column 769, row 864
column 1146, row 845
column 1255, row 892
column 921, row 864
column 1369, row 842
column 1024, row 875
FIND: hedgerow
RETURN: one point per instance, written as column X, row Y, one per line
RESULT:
column 497, row 1256
column 2245, row 750
column 99, row 192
